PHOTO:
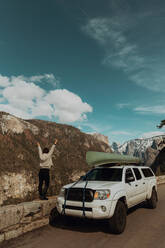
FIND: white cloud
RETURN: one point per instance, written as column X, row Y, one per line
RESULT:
column 152, row 134
column 96, row 127
column 122, row 105
column 124, row 50
column 27, row 100
column 22, row 91
column 1, row 99
column 68, row 106
column 119, row 52
column 151, row 78
column 4, row 81
column 45, row 78
column 98, row 28
column 120, row 133
column 39, row 78
column 42, row 108
column 15, row 111
column 159, row 109
column 92, row 127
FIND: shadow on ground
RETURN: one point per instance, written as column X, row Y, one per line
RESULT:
column 88, row 225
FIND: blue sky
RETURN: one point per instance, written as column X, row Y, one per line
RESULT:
column 96, row 65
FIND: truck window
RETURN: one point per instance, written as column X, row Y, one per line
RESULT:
column 137, row 173
column 105, row 174
column 129, row 174
column 147, row 172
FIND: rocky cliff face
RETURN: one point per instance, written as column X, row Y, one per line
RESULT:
column 101, row 138
column 19, row 161
column 150, row 155
column 158, row 164
column 138, row 147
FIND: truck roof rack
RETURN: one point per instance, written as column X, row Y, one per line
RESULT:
column 110, row 159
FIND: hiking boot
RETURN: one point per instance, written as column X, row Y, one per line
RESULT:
column 41, row 197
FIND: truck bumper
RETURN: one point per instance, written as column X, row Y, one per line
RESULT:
column 93, row 210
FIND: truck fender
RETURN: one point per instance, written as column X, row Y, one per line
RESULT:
column 149, row 193
column 117, row 196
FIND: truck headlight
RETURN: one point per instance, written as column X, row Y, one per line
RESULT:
column 62, row 192
column 101, row 194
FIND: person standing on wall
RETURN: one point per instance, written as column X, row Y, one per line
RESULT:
column 45, row 165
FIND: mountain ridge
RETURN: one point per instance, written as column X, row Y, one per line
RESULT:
column 150, row 150
column 137, row 144
column 19, row 158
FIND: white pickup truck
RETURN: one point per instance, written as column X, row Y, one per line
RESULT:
column 107, row 192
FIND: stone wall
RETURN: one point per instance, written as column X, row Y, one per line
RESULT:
column 16, row 220
column 17, row 186
column 160, row 180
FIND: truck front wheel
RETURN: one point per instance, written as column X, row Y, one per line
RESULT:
column 118, row 221
column 152, row 202
column 54, row 217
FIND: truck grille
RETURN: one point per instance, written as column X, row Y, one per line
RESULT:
column 78, row 208
column 76, row 194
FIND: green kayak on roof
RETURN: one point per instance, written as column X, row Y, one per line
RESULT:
column 100, row 158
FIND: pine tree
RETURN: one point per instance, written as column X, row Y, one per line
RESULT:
column 161, row 124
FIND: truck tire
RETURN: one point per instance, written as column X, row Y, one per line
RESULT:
column 152, row 202
column 118, row 221
column 69, row 221
column 54, row 218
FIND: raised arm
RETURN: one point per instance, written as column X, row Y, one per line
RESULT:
column 52, row 148
column 39, row 150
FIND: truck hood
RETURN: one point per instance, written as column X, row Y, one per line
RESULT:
column 93, row 185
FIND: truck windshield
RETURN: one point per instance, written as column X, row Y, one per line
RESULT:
column 105, row 174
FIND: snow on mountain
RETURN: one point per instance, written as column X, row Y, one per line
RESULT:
column 138, row 147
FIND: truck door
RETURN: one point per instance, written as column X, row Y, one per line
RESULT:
column 130, row 187
column 140, row 185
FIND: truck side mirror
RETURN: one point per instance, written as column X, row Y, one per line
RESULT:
column 130, row 179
